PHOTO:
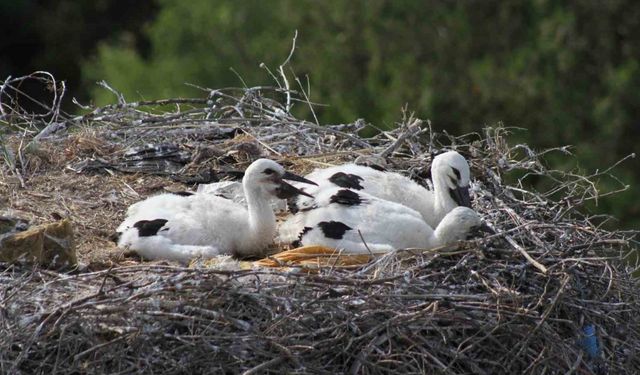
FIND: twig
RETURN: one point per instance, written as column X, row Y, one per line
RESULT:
column 284, row 76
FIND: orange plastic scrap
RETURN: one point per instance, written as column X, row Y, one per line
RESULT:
column 314, row 257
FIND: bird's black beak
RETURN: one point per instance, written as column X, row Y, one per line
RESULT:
column 115, row 237
column 480, row 231
column 286, row 191
column 294, row 177
column 461, row 196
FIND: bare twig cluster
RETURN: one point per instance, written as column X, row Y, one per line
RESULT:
column 547, row 292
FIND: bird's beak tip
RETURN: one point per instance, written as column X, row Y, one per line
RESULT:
column 294, row 177
column 302, row 192
column 286, row 190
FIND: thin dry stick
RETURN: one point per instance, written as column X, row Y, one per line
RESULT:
column 465, row 308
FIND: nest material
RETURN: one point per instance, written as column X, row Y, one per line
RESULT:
column 314, row 257
column 524, row 300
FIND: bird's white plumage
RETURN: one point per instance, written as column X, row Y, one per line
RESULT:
column 449, row 171
column 433, row 204
column 374, row 224
column 234, row 191
column 203, row 225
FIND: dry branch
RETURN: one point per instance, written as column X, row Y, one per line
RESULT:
column 516, row 301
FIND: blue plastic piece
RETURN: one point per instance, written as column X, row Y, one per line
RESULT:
column 589, row 342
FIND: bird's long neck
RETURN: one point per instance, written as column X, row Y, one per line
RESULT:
column 446, row 233
column 452, row 228
column 262, row 220
column 442, row 201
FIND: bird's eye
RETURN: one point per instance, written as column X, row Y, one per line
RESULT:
column 269, row 171
column 457, row 172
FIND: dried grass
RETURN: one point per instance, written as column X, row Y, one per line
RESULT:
column 515, row 302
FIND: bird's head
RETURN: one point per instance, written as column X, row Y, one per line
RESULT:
column 270, row 177
column 451, row 171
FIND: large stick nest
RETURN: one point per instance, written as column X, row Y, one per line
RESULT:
column 520, row 301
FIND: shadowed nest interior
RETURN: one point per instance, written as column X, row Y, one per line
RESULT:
column 548, row 292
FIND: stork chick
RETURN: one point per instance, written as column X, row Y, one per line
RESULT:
column 449, row 171
column 183, row 226
column 359, row 223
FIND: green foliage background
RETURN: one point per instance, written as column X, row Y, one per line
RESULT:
column 569, row 72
